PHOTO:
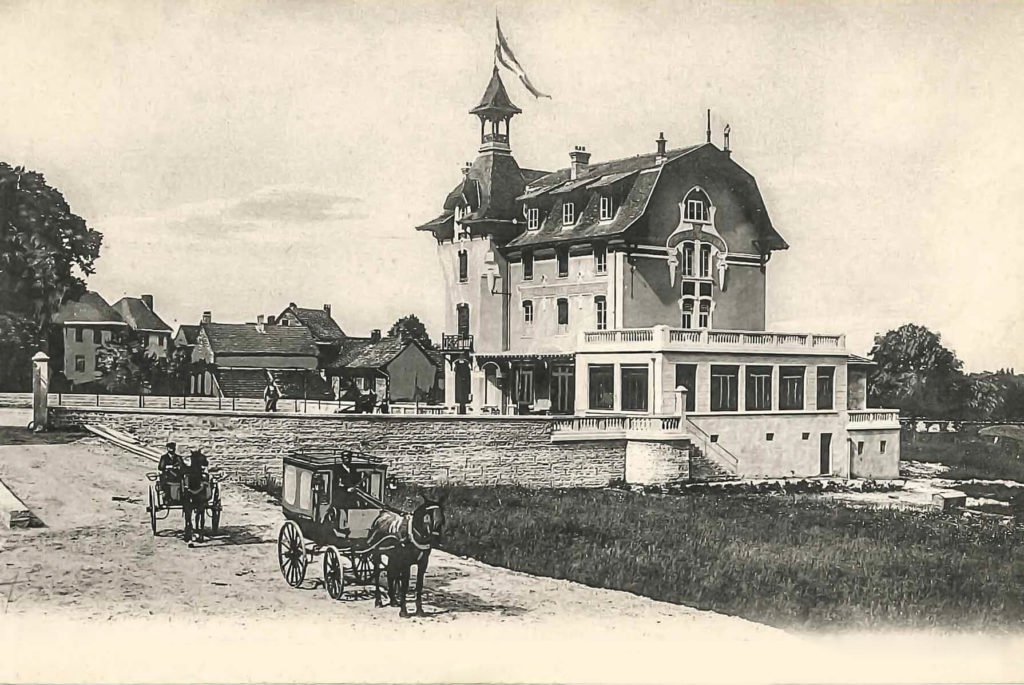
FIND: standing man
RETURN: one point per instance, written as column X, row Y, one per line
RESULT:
column 271, row 394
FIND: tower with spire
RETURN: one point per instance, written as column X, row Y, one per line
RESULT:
column 495, row 111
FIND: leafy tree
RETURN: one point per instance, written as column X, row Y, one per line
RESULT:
column 409, row 327
column 917, row 374
column 127, row 366
column 45, row 252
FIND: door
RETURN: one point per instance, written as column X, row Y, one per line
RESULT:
column 461, row 384
column 686, row 376
column 563, row 388
column 825, row 467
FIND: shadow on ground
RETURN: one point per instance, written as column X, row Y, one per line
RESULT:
column 12, row 435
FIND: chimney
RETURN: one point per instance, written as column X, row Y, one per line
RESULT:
column 327, row 309
column 661, row 143
column 291, row 305
column 728, row 152
column 271, row 319
column 466, row 167
column 580, row 158
column 375, row 335
column 148, row 299
column 260, row 326
column 709, row 125
column 207, row 317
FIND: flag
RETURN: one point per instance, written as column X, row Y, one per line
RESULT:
column 504, row 55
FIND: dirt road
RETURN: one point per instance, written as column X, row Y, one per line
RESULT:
column 94, row 596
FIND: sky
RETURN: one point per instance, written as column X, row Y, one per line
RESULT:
column 238, row 156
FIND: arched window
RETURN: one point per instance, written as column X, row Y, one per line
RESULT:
column 463, row 266
column 697, row 206
column 687, row 258
column 528, row 312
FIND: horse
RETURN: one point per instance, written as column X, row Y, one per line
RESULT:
column 406, row 539
column 195, row 497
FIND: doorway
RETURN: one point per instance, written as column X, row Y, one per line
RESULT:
column 563, row 389
column 825, row 457
column 462, row 384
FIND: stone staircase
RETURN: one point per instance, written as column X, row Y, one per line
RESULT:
column 703, row 468
column 709, row 460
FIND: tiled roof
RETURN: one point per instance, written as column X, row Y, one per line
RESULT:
column 139, row 316
column 189, row 332
column 615, row 166
column 89, row 308
column 323, row 327
column 442, row 222
column 294, row 384
column 244, row 338
column 531, row 175
column 363, row 353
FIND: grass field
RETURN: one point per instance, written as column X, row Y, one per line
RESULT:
column 798, row 564
column 967, row 456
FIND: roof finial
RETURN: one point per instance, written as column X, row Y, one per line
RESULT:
column 709, row 125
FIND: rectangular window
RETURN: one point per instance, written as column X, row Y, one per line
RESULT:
column 705, row 261
column 463, row 266
column 568, row 213
column 601, row 312
column 97, row 336
column 860, row 447
column 80, row 363
column 527, row 265
column 826, row 390
column 602, row 386
column 563, row 312
column 725, row 382
column 791, row 387
column 881, row 447
column 79, row 333
column 532, row 219
column 634, row 388
column 704, row 315
column 600, row 258
column 759, row 388
column 562, row 256
column 687, row 320
column 686, row 376
column 462, row 319
column 695, row 210
column 687, row 259
column 527, row 312
column 607, row 208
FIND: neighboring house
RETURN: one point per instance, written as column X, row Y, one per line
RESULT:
column 235, row 360
column 87, row 324
column 139, row 314
column 637, row 287
column 401, row 371
column 186, row 336
column 327, row 334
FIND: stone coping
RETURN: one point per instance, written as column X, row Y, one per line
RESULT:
column 311, row 416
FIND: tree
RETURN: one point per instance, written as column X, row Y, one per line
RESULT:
column 128, row 368
column 45, row 253
column 409, row 327
column 917, row 374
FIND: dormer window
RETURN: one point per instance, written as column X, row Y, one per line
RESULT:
column 697, row 207
column 607, row 208
column 532, row 219
column 568, row 213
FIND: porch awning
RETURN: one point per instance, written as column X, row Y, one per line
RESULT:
column 524, row 357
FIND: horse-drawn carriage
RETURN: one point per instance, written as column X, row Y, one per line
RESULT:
column 194, row 495
column 333, row 503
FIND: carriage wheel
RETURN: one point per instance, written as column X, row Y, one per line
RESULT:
column 152, row 511
column 334, row 577
column 362, row 567
column 291, row 554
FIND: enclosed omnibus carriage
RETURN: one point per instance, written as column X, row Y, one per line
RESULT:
column 329, row 500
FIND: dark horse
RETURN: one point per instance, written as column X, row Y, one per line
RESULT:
column 405, row 539
column 195, row 496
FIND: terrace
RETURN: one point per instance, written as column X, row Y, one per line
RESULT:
column 665, row 339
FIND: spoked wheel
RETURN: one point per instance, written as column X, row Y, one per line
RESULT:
column 362, row 567
column 215, row 512
column 152, row 510
column 291, row 554
column 334, row 576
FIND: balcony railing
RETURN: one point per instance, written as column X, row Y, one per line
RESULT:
column 495, row 138
column 665, row 338
column 873, row 418
column 615, row 427
column 456, row 343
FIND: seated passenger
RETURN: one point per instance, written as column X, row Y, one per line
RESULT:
column 171, row 468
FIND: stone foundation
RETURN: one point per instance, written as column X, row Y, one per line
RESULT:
column 656, row 463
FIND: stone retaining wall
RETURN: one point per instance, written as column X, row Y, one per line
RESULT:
column 420, row 449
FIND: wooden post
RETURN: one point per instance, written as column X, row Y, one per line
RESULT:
column 40, row 390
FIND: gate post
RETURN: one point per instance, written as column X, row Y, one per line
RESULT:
column 40, row 390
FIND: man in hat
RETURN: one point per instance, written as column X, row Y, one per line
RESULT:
column 171, row 467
